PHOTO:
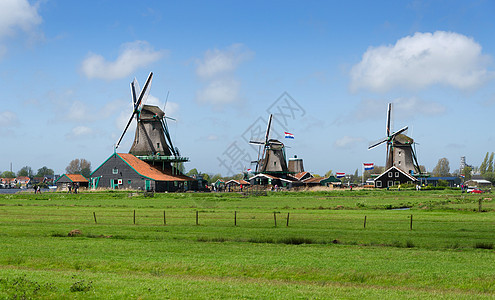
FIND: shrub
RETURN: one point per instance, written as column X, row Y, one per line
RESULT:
column 483, row 245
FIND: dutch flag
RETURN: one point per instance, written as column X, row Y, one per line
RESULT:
column 288, row 135
column 368, row 166
column 340, row 175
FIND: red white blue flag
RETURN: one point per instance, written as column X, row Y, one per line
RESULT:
column 368, row 166
column 339, row 175
column 288, row 135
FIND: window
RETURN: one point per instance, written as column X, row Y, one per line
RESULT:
column 378, row 184
column 129, row 181
column 399, row 162
column 389, row 174
column 115, row 171
column 396, row 174
column 400, row 153
column 390, row 183
column 157, row 145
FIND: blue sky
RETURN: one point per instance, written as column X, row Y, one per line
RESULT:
column 65, row 69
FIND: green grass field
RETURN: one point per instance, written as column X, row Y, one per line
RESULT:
column 324, row 252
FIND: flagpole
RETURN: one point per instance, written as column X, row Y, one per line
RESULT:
column 362, row 176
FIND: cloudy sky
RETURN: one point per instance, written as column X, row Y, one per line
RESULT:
column 325, row 69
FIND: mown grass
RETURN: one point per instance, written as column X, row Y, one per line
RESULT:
column 325, row 252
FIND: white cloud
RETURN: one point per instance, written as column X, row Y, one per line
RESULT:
column 422, row 60
column 79, row 132
column 217, row 62
column 8, row 119
column 17, row 14
column 220, row 91
column 132, row 56
column 402, row 108
column 171, row 109
column 217, row 70
column 347, row 142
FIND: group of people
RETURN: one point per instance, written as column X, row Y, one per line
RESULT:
column 72, row 188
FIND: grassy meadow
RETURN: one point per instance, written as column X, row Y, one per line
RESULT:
column 227, row 245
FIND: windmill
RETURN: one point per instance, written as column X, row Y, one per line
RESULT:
column 400, row 152
column 273, row 156
column 152, row 140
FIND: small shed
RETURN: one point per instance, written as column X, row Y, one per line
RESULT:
column 236, row 184
column 452, row 181
column 393, row 176
column 480, row 183
column 65, row 180
column 322, row 181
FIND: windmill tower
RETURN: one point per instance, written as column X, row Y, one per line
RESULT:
column 152, row 142
column 273, row 160
column 400, row 152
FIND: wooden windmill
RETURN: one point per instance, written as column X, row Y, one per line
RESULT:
column 273, row 160
column 400, row 152
column 152, row 140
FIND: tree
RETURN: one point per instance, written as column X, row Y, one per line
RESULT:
column 43, row 171
column 484, row 164
column 8, row 174
column 328, row 174
column 489, row 167
column 467, row 171
column 442, row 168
column 25, row 171
column 79, row 166
column 490, row 176
column 192, row 172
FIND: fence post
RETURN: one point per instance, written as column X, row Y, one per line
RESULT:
column 365, row 222
column 235, row 218
column 287, row 219
column 411, row 222
column 94, row 215
column 275, row 218
column 134, row 217
column 197, row 218
column 479, row 204
column 164, row 219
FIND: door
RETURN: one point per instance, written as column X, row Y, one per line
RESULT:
column 147, row 185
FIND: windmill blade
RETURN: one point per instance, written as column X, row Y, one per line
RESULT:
column 169, row 118
column 389, row 119
column 173, row 151
column 126, row 127
column 377, row 143
column 134, row 89
column 143, row 96
column 166, row 100
column 403, row 129
column 268, row 128
column 256, row 142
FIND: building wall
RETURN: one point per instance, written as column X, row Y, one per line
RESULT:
column 130, row 178
column 385, row 180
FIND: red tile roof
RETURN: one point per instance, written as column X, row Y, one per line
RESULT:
column 150, row 171
column 238, row 182
column 77, row 178
column 300, row 175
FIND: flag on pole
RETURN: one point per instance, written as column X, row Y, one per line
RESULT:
column 463, row 176
column 249, row 170
column 288, row 135
column 339, row 175
column 368, row 166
